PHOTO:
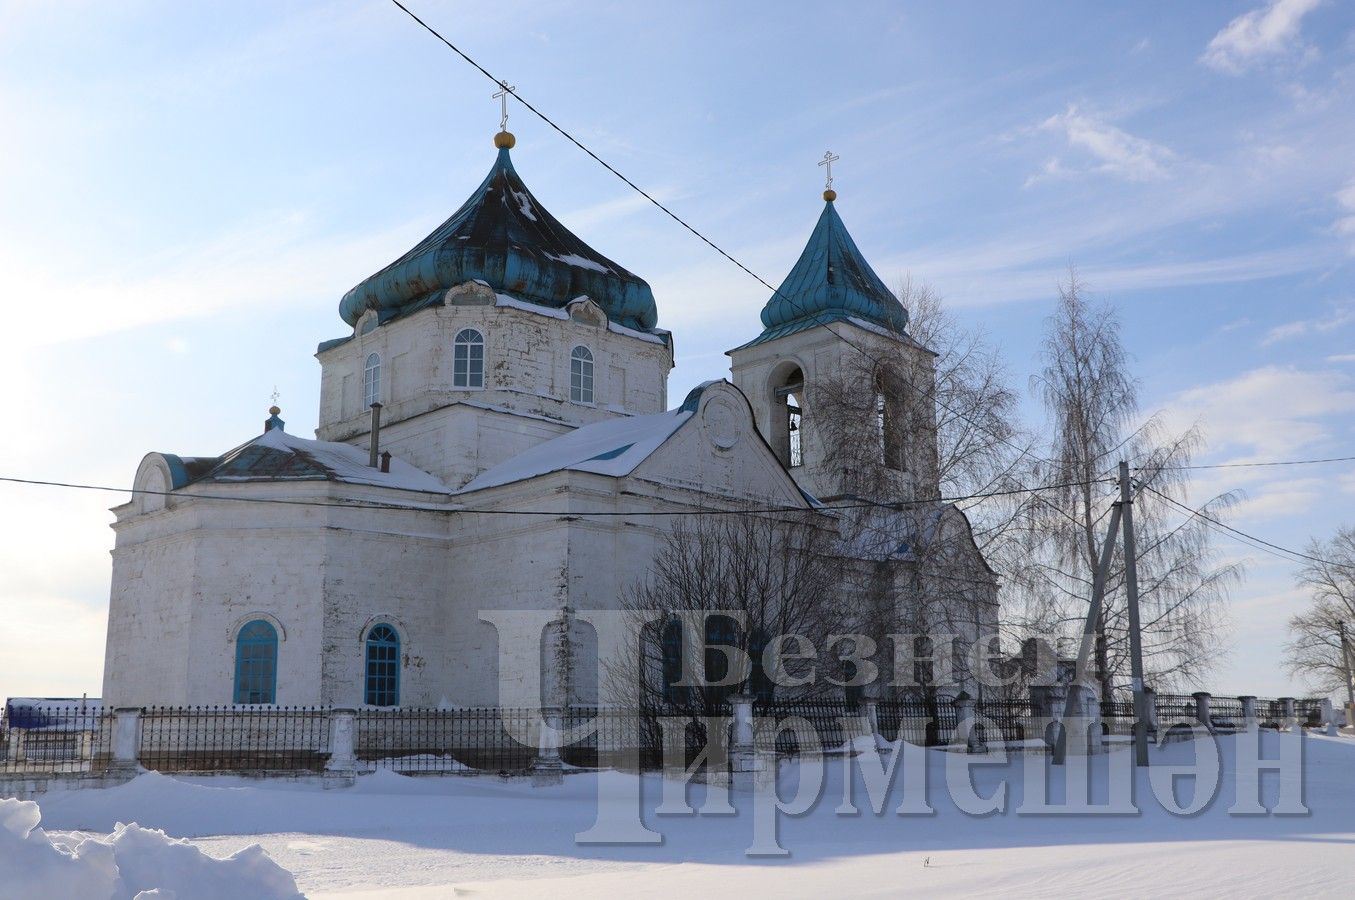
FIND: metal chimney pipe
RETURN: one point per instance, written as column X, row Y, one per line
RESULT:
column 385, row 460
column 375, row 443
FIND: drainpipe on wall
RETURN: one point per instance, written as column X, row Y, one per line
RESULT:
column 376, row 435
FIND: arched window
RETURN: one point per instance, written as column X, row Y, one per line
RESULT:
column 888, row 430
column 581, row 375
column 256, row 663
column 670, row 649
column 760, row 684
column 371, row 381
column 383, row 667
column 789, row 393
column 468, row 359
column 721, row 631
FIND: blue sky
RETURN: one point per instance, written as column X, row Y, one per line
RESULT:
column 186, row 191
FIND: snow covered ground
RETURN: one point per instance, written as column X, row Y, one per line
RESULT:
column 400, row 837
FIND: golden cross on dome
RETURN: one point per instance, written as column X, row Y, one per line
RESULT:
column 275, row 395
column 827, row 161
column 502, row 96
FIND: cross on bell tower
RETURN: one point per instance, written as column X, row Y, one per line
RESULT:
column 504, row 140
column 827, row 162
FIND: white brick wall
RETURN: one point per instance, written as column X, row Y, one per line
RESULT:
column 187, row 573
column 527, row 371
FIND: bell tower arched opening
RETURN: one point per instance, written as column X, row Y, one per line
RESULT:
column 788, row 410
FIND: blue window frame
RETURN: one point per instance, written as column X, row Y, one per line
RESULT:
column 760, row 685
column 256, row 663
column 383, row 667
column 670, row 646
column 721, row 631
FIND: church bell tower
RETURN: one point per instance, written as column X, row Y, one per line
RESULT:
column 840, row 390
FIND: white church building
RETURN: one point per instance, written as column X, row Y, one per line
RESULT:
column 522, row 383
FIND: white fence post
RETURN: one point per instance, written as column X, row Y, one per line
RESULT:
column 1149, row 711
column 548, row 768
column 342, row 755
column 1249, row 719
column 1291, row 720
column 1329, row 717
column 872, row 714
column 126, row 739
column 742, row 753
column 1202, row 713
column 967, row 723
column 1082, row 729
column 1046, row 708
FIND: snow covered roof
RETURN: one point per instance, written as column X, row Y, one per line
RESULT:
column 614, row 447
column 276, row 455
column 503, row 237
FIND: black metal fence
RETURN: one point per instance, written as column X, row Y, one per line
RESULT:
column 1227, row 712
column 1117, row 717
column 67, row 738
column 1269, row 712
column 70, row 738
column 484, row 739
column 1309, row 711
column 234, row 738
column 1171, row 707
column 928, row 723
column 1013, row 720
column 835, row 723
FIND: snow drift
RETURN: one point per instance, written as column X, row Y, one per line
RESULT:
column 131, row 862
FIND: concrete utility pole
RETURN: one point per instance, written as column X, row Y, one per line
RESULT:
column 1345, row 660
column 1131, row 581
column 1073, row 708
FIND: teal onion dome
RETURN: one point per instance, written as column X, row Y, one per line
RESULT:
column 502, row 236
column 831, row 280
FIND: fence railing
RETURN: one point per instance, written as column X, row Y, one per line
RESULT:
column 928, row 723
column 65, row 739
column 447, row 741
column 234, row 738
column 70, row 739
column 835, row 724
column 1014, row 720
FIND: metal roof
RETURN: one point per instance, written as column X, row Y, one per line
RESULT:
column 501, row 235
column 830, row 281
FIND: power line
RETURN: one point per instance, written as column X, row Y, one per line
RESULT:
column 1278, row 462
column 1238, row 533
column 577, row 143
column 365, row 504
column 674, row 216
column 1022, row 451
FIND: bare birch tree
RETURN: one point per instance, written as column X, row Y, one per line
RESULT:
column 1314, row 651
column 1091, row 403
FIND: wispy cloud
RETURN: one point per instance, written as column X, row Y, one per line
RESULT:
column 1274, row 499
column 1303, row 327
column 1266, row 414
column 1273, row 412
column 278, row 261
column 1110, row 149
column 1345, row 225
column 1268, row 33
column 1007, row 272
column 1347, row 483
